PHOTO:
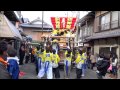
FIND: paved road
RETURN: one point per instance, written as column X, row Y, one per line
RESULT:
column 30, row 73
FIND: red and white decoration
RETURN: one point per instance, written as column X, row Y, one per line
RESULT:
column 63, row 22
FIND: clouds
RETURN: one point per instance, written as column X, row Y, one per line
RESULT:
column 31, row 15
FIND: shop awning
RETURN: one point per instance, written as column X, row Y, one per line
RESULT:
column 107, row 34
column 7, row 29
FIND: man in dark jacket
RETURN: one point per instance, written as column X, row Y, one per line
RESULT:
column 22, row 53
column 3, row 64
column 102, row 66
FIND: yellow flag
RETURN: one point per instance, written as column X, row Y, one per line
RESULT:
column 57, row 20
column 57, row 25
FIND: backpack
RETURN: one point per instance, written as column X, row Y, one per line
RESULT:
column 102, row 65
column 13, row 68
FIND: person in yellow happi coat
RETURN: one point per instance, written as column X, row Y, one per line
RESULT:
column 55, row 61
column 79, row 62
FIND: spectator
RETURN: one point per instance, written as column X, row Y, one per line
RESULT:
column 88, row 62
column 13, row 67
column 12, row 54
column 93, row 61
column 102, row 67
column 22, row 53
column 101, row 57
column 27, row 57
column 3, row 63
column 114, row 65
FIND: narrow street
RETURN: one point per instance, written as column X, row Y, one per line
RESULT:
column 30, row 73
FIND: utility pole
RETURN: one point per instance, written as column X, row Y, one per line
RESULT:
column 67, row 13
column 42, row 20
column 77, row 27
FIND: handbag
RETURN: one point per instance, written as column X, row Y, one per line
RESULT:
column 110, row 68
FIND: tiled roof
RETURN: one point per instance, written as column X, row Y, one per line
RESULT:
column 8, row 29
column 89, row 15
column 31, row 24
column 35, row 25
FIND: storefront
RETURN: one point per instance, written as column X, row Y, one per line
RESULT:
column 107, row 45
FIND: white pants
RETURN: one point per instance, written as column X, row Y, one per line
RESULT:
column 49, row 71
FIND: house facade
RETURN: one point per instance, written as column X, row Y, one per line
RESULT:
column 99, row 31
column 104, row 36
column 85, row 29
column 34, row 29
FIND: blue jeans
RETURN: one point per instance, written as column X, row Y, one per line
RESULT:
column 83, row 68
column 88, row 63
column 114, row 70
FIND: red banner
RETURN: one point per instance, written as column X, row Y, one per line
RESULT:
column 63, row 22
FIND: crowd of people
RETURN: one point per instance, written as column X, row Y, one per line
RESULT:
column 10, row 61
column 47, row 62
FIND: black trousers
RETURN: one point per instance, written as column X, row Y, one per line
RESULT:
column 78, row 73
column 21, row 58
column 99, row 76
column 27, row 58
column 56, row 72
column 92, row 65
column 32, row 58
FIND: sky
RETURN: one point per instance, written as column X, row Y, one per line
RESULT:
column 31, row 15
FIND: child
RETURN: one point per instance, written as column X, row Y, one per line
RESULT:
column 67, row 63
column 47, row 65
column 55, row 61
column 13, row 67
column 79, row 61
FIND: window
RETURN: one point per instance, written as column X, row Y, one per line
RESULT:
column 89, row 31
column 105, row 22
column 106, row 50
column 114, row 19
column 85, row 31
column 80, row 34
